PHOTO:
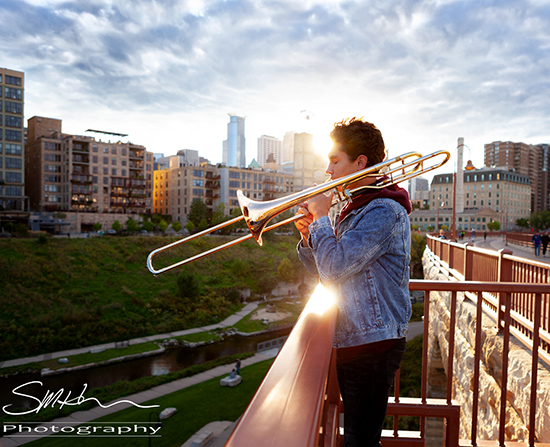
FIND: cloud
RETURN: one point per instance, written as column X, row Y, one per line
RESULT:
column 433, row 66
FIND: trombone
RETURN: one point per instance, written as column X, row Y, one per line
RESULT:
column 257, row 214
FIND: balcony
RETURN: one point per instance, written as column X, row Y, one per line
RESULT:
column 77, row 178
column 298, row 403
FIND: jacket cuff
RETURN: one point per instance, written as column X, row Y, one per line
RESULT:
column 318, row 227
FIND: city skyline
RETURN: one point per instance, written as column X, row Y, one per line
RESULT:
column 168, row 74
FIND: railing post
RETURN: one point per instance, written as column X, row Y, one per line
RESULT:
column 468, row 256
column 504, row 275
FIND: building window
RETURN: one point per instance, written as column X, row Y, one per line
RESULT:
column 12, row 107
column 13, row 93
column 13, row 177
column 105, row 149
column 197, row 173
column 13, row 163
column 13, row 135
column 13, row 121
column 12, row 80
column 113, row 150
column 13, row 149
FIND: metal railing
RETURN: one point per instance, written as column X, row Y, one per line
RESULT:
column 298, row 403
column 467, row 263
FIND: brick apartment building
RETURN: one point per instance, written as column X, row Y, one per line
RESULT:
column 528, row 159
column 66, row 172
column 176, row 188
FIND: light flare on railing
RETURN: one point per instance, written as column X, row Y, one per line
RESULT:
column 320, row 301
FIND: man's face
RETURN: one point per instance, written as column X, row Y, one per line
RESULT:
column 339, row 164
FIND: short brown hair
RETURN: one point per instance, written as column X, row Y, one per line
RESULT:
column 359, row 137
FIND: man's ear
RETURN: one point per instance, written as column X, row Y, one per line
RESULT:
column 362, row 161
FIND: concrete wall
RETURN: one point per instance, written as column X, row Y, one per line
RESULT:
column 519, row 370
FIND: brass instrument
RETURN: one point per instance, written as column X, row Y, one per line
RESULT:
column 257, row 214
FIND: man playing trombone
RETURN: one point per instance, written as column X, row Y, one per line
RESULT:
column 364, row 259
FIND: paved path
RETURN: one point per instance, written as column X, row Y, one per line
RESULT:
column 497, row 243
column 229, row 321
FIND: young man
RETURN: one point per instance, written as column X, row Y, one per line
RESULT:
column 364, row 260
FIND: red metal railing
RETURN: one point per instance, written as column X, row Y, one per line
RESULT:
column 298, row 404
column 467, row 263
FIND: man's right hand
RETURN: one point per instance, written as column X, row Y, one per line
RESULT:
column 303, row 224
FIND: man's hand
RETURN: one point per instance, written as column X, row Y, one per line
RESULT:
column 319, row 205
column 303, row 224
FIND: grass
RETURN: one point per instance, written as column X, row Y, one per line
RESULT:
column 69, row 293
column 247, row 324
column 197, row 406
column 200, row 336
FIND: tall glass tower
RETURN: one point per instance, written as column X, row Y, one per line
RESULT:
column 234, row 148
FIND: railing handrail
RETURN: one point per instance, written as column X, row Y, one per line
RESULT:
column 292, row 405
column 292, row 392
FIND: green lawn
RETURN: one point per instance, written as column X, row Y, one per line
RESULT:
column 248, row 324
column 197, row 406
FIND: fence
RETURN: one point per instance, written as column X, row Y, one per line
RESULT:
column 298, row 403
column 467, row 263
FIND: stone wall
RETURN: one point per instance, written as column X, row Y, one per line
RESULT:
column 519, row 369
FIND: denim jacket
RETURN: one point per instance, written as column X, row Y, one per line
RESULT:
column 366, row 266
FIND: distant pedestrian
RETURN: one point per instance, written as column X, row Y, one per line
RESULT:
column 238, row 367
column 442, row 234
column 536, row 239
column 485, row 236
column 544, row 239
column 473, row 235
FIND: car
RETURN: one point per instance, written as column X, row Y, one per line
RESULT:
column 111, row 231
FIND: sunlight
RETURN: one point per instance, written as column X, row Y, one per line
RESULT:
column 320, row 301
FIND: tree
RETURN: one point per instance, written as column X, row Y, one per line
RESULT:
column 163, row 225
column 494, row 225
column 148, row 226
column 286, row 271
column 176, row 226
column 116, row 226
column 97, row 226
column 131, row 225
column 522, row 223
column 197, row 212
column 218, row 216
column 188, row 286
column 540, row 220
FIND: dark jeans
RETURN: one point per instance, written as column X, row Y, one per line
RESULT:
column 365, row 380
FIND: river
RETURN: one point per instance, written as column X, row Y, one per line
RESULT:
column 173, row 359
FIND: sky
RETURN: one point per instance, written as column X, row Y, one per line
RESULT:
column 168, row 72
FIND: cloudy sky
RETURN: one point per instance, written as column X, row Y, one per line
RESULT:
column 168, row 72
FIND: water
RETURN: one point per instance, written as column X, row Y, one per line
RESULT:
column 173, row 359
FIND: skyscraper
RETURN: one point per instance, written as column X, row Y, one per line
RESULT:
column 269, row 145
column 12, row 160
column 234, row 148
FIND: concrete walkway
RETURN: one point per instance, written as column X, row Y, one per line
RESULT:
column 497, row 243
column 228, row 322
